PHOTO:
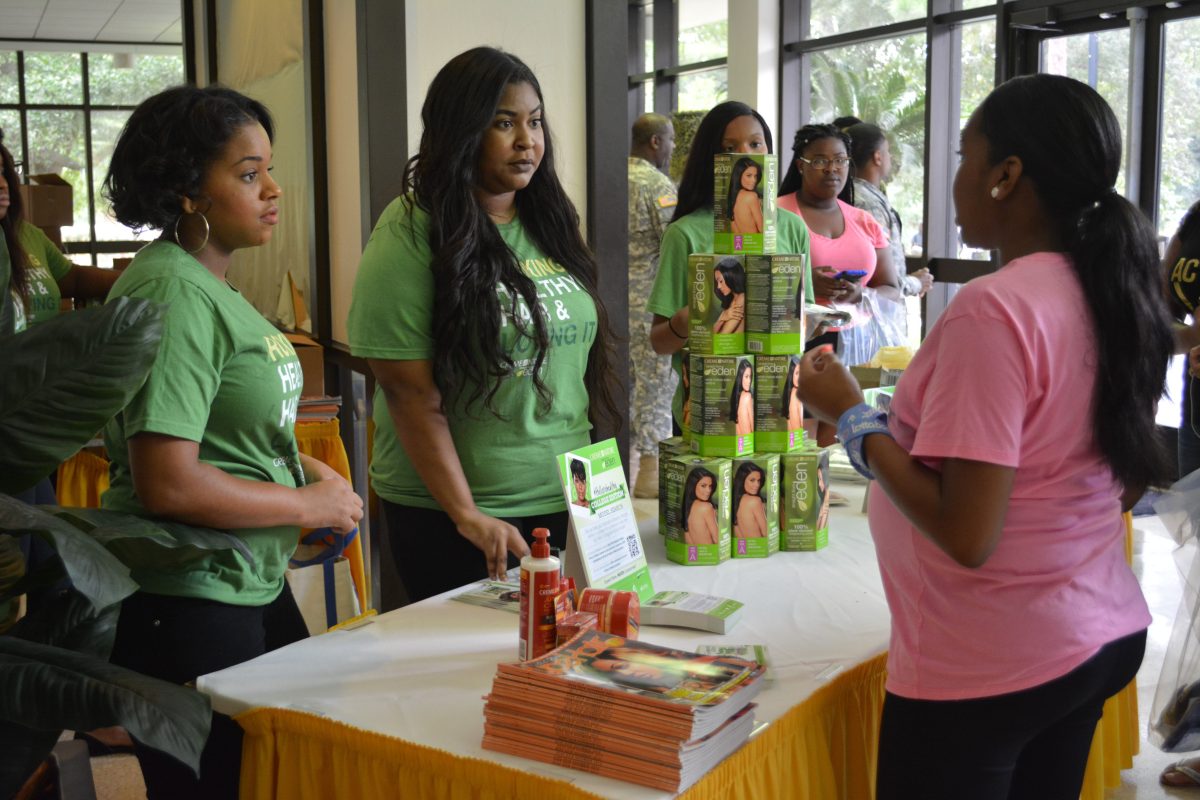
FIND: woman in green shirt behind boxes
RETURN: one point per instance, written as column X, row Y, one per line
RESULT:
column 209, row 440
column 476, row 304
column 730, row 127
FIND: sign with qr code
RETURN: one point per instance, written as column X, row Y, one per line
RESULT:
column 604, row 550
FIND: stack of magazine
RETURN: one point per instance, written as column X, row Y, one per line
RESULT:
column 624, row 709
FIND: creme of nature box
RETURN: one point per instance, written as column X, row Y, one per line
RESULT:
column 804, row 499
column 778, row 412
column 667, row 449
column 697, row 510
column 744, row 203
column 716, row 304
column 775, row 303
column 722, row 405
column 754, row 506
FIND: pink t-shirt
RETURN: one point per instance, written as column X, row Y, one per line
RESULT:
column 1006, row 376
column 854, row 249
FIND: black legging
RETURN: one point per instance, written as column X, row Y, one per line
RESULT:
column 1027, row 745
column 432, row 557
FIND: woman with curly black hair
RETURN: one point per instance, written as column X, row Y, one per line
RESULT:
column 209, row 439
column 477, row 306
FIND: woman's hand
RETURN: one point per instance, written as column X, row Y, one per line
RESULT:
column 824, row 285
column 331, row 503
column 852, row 292
column 496, row 538
column 827, row 388
column 926, row 279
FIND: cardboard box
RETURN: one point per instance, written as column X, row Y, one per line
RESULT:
column 778, row 412
column 775, row 303
column 755, row 501
column 716, row 322
column 741, row 181
column 312, row 364
column 718, row 391
column 667, row 449
column 691, row 483
column 804, row 500
column 47, row 202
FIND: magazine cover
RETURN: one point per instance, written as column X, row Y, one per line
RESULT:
column 604, row 550
column 627, row 666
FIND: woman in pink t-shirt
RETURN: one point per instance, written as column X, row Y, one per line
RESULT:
column 1016, row 436
column 841, row 237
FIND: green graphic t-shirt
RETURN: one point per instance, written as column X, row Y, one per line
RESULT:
column 47, row 266
column 694, row 234
column 509, row 463
column 226, row 378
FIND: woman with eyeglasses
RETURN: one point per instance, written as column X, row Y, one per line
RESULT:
column 842, row 237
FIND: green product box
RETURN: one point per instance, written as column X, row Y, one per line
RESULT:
column 778, row 412
column 667, row 449
column 722, row 405
column 744, row 203
column 804, row 500
column 716, row 304
column 697, row 510
column 685, row 393
column 754, row 511
column 775, row 303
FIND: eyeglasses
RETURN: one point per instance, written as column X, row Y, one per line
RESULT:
column 820, row 162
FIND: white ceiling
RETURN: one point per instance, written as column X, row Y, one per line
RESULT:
column 157, row 21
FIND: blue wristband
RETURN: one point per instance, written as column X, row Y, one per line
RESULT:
column 853, row 427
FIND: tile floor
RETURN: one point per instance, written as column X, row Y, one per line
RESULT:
column 117, row 777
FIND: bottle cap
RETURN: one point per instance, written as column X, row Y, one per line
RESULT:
column 541, row 547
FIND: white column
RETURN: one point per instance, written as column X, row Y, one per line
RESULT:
column 754, row 60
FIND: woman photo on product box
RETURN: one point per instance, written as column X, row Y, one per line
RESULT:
column 741, row 399
column 749, row 512
column 1019, row 432
column 730, row 127
column 699, row 515
column 209, row 440
column 745, row 198
column 476, row 305
column 790, row 405
column 729, row 287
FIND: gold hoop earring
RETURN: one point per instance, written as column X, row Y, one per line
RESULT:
column 207, row 231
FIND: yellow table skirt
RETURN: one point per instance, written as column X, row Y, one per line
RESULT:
column 822, row 748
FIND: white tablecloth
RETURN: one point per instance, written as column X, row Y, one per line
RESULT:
column 420, row 673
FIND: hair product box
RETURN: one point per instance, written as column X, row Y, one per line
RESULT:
column 804, row 500
column 754, row 506
column 778, row 412
column 716, row 304
column 775, row 303
column 744, row 203
column 698, row 500
column 667, row 449
column 722, row 405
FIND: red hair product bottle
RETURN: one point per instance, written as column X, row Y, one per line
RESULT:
column 539, row 585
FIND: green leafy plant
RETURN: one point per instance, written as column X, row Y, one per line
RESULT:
column 63, row 380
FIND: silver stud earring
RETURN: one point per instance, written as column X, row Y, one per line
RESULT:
column 995, row 192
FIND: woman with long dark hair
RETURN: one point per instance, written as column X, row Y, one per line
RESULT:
column 741, row 399
column 730, row 127
column 476, row 304
column 729, row 287
column 209, row 440
column 1020, row 430
column 700, row 508
column 40, row 274
column 790, row 405
column 745, row 197
column 748, row 511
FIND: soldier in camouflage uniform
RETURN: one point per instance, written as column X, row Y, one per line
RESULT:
column 651, row 380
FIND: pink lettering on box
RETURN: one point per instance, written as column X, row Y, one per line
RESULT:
column 693, row 553
column 741, row 547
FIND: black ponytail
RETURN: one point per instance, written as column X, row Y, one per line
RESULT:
column 1073, row 156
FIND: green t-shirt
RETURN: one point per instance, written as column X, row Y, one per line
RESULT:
column 46, row 267
column 509, row 463
column 694, row 234
column 226, row 378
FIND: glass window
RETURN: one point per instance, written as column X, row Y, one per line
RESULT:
column 53, row 78
column 10, row 88
column 703, row 31
column 831, row 17
column 126, row 79
column 1180, row 154
column 648, row 40
column 700, row 91
column 106, row 128
column 10, row 124
column 978, row 79
column 1101, row 60
column 56, row 145
column 881, row 82
column 969, row 4
column 648, row 97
